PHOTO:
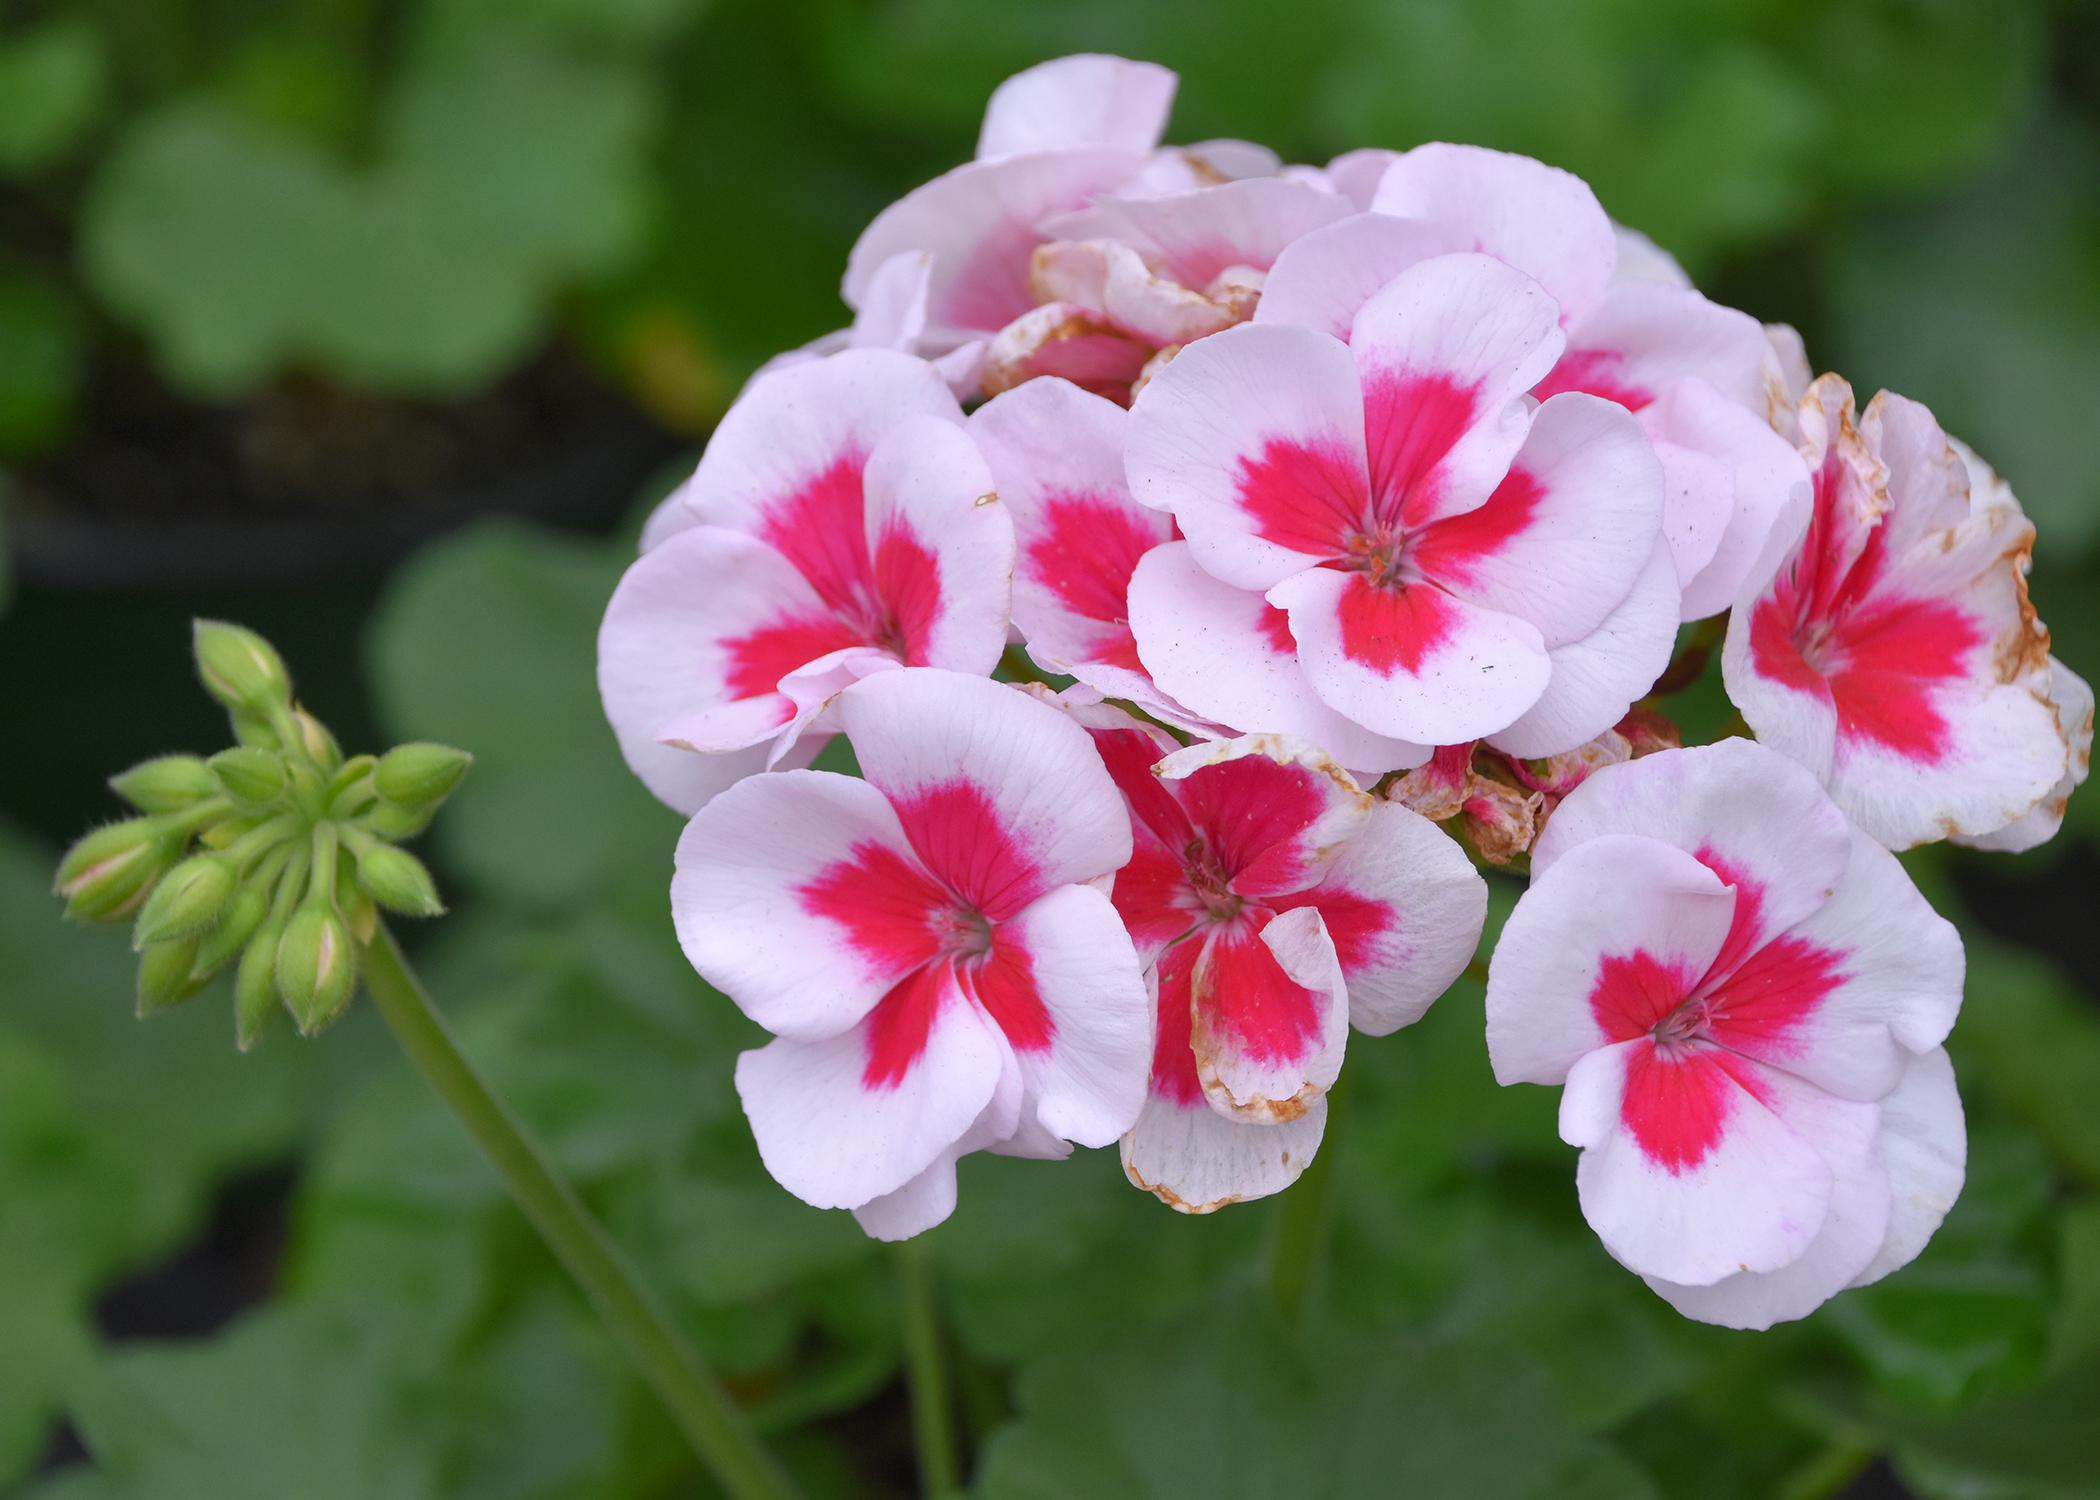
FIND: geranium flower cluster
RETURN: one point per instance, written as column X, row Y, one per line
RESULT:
column 1348, row 518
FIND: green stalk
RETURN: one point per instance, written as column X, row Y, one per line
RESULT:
column 714, row 1425
column 1302, row 1224
column 926, row 1371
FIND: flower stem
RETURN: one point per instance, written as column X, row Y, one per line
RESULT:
column 711, row 1422
column 1302, row 1224
column 926, row 1371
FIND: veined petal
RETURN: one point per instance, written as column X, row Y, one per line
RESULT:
column 1925, row 1145
column 2073, row 698
column 1197, row 1161
column 851, row 1118
column 1600, row 954
column 1089, row 99
column 1229, row 655
column 1003, row 797
column 941, row 548
column 1412, row 662
column 1321, row 280
column 1545, row 222
column 1642, row 338
column 1269, row 809
column 1254, row 439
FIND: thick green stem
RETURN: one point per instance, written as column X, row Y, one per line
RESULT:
column 926, row 1371
column 711, row 1422
column 1302, row 1224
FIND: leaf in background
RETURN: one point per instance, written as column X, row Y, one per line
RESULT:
column 51, row 87
column 114, row 1134
column 487, row 641
column 1228, row 1404
column 2034, row 1043
column 43, row 349
column 1986, row 307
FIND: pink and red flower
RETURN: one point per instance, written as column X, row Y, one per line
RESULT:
column 1276, row 906
column 1452, row 560
column 841, row 522
column 1893, row 650
column 1745, row 999
column 930, row 946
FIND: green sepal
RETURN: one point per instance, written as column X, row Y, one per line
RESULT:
column 188, row 900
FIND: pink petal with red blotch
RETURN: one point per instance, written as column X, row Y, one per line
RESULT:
column 1687, row 1173
column 694, row 644
column 1643, row 338
column 1056, row 456
column 1089, row 99
column 1731, row 483
column 929, row 1198
column 1446, row 352
column 1925, row 1145
column 1545, row 222
column 1270, row 810
column 1323, row 279
column 1848, row 995
column 1901, row 660
column 1229, row 655
column 1597, row 678
column 1065, row 986
column 1601, row 954
column 1189, row 1156
column 941, row 548
column 1193, row 237
column 853, row 1117
column 1403, row 907
column 1270, row 1015
column 1412, row 661
column 979, row 222
column 1846, row 1136
column 798, row 896
column 1567, row 530
column 1754, row 818
column 785, row 463
column 1002, row 797
column 1254, row 439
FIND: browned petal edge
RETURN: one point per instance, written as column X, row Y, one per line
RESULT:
column 1173, row 1199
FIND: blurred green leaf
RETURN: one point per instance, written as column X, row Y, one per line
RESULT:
column 1986, row 307
column 1230, row 1404
column 2035, row 1043
column 43, row 351
column 485, row 641
column 51, row 86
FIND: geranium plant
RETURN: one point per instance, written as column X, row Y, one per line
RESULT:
column 1344, row 535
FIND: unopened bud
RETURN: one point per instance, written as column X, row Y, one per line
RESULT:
column 240, row 668
column 255, row 1002
column 396, row 821
column 316, row 966
column 164, row 975
column 105, row 872
column 251, row 776
column 189, row 900
column 420, row 775
column 398, row 881
column 223, row 942
column 318, row 743
column 257, row 731
column 166, row 784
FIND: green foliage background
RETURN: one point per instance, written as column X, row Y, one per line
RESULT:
column 414, row 198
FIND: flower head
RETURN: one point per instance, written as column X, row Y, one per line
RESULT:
column 1744, row 998
column 929, row 946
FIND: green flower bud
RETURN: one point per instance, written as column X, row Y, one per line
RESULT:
column 223, row 943
column 316, row 966
column 394, row 821
column 420, row 776
column 189, row 900
column 252, row 777
column 240, row 668
column 350, row 789
column 255, row 1002
column 164, row 975
column 398, row 881
column 256, row 730
column 104, row 874
column 318, row 743
column 167, row 784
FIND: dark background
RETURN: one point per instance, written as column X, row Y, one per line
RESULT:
column 373, row 324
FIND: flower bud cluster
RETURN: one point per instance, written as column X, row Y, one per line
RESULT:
column 271, row 859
